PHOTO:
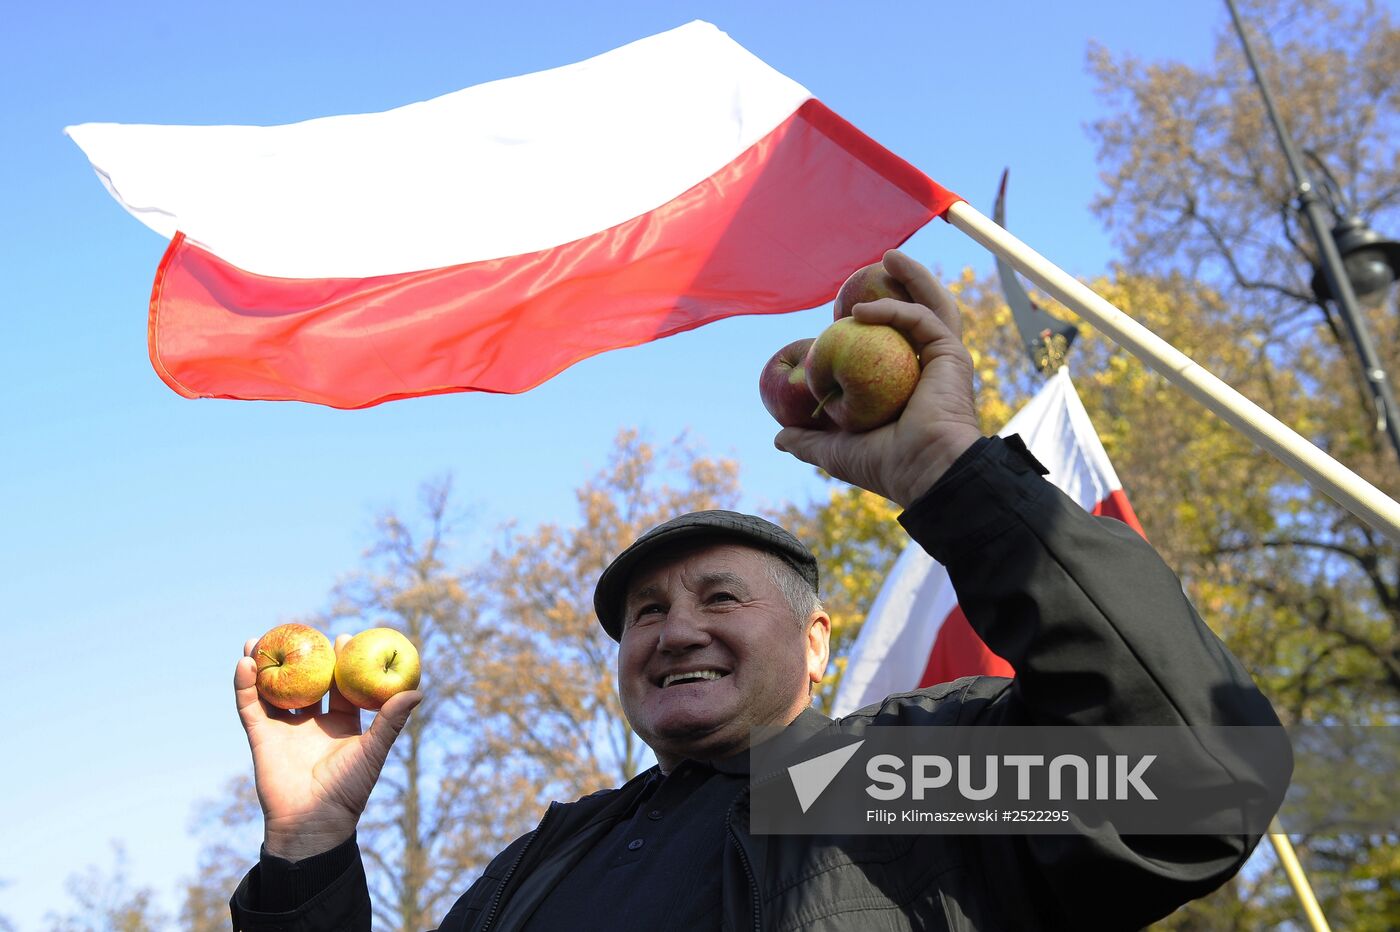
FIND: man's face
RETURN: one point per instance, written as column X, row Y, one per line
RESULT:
column 713, row 611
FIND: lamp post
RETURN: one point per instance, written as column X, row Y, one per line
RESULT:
column 1372, row 262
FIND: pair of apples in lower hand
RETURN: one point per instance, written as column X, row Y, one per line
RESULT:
column 296, row 665
column 854, row 376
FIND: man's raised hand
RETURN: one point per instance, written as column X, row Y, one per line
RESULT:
column 314, row 769
column 902, row 460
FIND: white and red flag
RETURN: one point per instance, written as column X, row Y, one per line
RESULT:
column 490, row 238
column 916, row 635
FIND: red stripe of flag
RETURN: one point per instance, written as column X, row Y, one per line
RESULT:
column 777, row 229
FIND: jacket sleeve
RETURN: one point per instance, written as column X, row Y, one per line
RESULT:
column 329, row 893
column 1099, row 632
column 325, row 893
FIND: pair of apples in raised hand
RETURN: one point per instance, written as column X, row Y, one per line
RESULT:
column 854, row 376
column 296, row 665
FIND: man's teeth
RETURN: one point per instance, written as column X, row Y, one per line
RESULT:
column 697, row 675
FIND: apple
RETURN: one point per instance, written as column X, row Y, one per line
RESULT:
column 374, row 665
column 783, row 388
column 870, row 283
column 295, row 665
column 862, row 374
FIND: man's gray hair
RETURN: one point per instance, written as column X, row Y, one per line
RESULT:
column 797, row 592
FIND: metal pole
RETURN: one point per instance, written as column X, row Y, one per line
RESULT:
column 1340, row 286
column 1387, row 414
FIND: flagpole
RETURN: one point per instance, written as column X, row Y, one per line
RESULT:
column 1296, row 878
column 1321, row 471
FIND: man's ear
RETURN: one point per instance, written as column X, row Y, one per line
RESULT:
column 818, row 645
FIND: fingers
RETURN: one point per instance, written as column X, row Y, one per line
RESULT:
column 915, row 321
column 922, row 328
column 338, row 702
column 925, row 289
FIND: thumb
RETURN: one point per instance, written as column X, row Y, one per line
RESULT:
column 390, row 720
column 826, row 449
column 800, row 442
column 245, row 693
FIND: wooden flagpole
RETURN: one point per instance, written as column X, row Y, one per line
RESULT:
column 1296, row 878
column 1321, row 471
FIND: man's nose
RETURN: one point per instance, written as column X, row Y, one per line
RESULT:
column 684, row 629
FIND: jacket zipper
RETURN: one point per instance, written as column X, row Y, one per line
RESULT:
column 748, row 869
column 505, row 881
column 744, row 855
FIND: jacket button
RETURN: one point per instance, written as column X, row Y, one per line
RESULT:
column 634, row 844
column 654, row 815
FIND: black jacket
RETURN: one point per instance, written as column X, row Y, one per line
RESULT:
column 1099, row 632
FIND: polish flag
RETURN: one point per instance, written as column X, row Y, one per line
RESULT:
column 490, row 238
column 915, row 634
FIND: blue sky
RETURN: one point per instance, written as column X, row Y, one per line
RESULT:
column 147, row 535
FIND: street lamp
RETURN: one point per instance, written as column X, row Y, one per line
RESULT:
column 1371, row 262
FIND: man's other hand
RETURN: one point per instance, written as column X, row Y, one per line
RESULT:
column 314, row 769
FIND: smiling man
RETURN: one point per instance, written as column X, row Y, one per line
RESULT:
column 720, row 633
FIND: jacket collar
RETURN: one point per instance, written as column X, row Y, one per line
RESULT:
column 807, row 724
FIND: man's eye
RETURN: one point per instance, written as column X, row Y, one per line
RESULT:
column 647, row 611
column 724, row 597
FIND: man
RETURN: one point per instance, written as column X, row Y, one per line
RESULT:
column 720, row 633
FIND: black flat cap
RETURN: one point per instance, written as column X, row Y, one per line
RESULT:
column 611, row 591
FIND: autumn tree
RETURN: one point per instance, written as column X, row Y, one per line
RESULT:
column 227, row 826
column 106, row 901
column 444, row 804
column 1197, row 186
column 1203, row 492
column 555, row 666
column 1217, row 262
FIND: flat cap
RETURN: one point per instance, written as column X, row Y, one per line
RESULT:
column 611, row 591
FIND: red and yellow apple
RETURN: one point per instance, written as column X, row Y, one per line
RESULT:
column 862, row 374
column 783, row 388
column 374, row 665
column 870, row 283
column 295, row 666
